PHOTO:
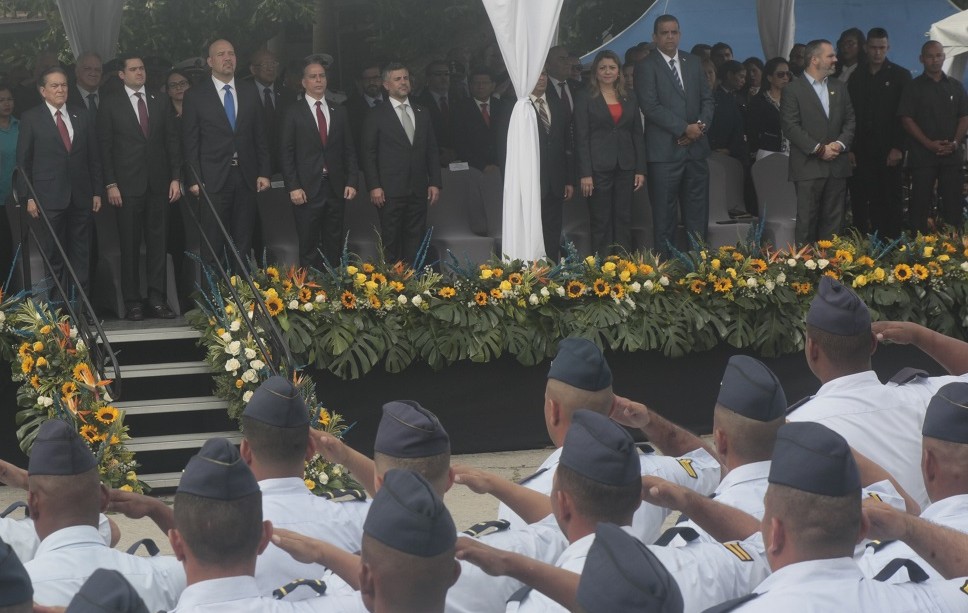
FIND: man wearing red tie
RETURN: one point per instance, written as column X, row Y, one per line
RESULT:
column 141, row 155
column 59, row 154
column 319, row 166
column 480, row 124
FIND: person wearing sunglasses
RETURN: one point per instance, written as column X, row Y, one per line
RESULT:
column 763, row 132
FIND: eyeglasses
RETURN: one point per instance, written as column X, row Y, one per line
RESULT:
column 267, row 65
column 178, row 85
column 783, row 75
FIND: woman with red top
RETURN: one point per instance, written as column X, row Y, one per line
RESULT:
column 611, row 153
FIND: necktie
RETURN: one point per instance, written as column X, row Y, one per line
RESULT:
column 229, row 105
column 564, row 96
column 675, row 74
column 406, row 121
column 62, row 128
column 443, row 106
column 270, row 107
column 321, row 120
column 486, row 115
column 142, row 113
column 543, row 115
column 92, row 102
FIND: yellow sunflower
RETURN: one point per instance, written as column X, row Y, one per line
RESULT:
column 378, row 278
column 35, row 382
column 832, row 274
column 368, row 268
column 273, row 273
column 348, row 300
column 27, row 365
column 497, row 272
column 24, row 350
column 274, row 305
column 645, row 269
column 825, row 244
column 758, row 265
column 902, row 272
column 601, row 288
column 935, row 269
column 41, row 361
column 287, row 285
column 447, row 292
column 618, row 291
column 114, row 440
column 497, row 294
column 515, row 278
column 69, row 389
column 38, row 346
column 305, row 294
column 480, row 298
column 324, row 417
column 374, row 301
column 844, row 256
column 865, row 261
column 397, row 286
column 723, row 285
column 697, row 286
column 574, row 289
column 737, row 256
column 106, row 415
column 918, row 269
column 90, row 434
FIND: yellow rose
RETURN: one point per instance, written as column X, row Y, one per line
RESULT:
column 131, row 476
column 127, row 488
column 860, row 281
column 371, row 286
column 732, row 272
column 38, row 346
column 359, row 279
column 624, row 276
column 590, row 260
column 608, row 267
column 944, row 257
column 486, row 273
column 505, row 286
column 879, row 274
column 352, row 270
column 928, row 252
column 229, row 309
column 41, row 361
column 716, row 264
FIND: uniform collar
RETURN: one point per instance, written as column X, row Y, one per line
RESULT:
column 860, row 379
column 812, row 571
column 950, row 507
column 218, row 591
column 286, row 485
column 754, row 471
column 70, row 537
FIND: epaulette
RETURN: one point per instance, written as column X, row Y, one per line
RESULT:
column 344, row 495
column 915, row 572
column 731, row 605
column 799, row 403
column 317, row 586
column 876, row 546
column 645, row 448
column 908, row 374
column 688, row 534
column 20, row 504
column 477, row 530
column 149, row 546
column 533, row 476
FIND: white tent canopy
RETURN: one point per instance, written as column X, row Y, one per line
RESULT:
column 953, row 34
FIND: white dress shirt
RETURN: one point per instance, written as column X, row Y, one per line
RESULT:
column 534, row 101
column 219, row 85
column 22, row 537
column 573, row 559
column 409, row 110
column 67, row 557
column 312, row 109
column 65, row 115
column 84, row 96
column 678, row 60
column 241, row 595
column 557, row 85
column 134, row 99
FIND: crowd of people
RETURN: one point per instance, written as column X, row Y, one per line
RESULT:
column 853, row 498
column 850, row 120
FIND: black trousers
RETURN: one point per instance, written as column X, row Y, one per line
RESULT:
column 403, row 223
column 820, row 208
column 685, row 182
column 875, row 194
column 551, row 222
column 143, row 216
column 72, row 226
column 610, row 211
column 319, row 226
column 950, row 182
column 235, row 205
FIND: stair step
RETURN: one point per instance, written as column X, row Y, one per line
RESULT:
column 173, row 405
column 169, row 442
column 161, row 480
column 166, row 369
column 152, row 334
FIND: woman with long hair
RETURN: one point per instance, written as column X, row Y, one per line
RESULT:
column 763, row 132
column 611, row 153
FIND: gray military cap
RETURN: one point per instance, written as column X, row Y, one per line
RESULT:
column 409, row 516
column 59, row 451
column 580, row 363
column 407, row 430
column 598, row 448
column 946, row 418
column 106, row 591
column 278, row 403
column 217, row 472
column 811, row 457
column 15, row 586
column 838, row 310
column 751, row 389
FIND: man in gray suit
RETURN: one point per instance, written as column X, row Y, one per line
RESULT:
column 678, row 106
column 817, row 118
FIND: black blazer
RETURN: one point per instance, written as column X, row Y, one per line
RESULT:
column 574, row 87
column 209, row 141
column 301, row 153
column 555, row 148
column 443, row 123
column 763, row 130
column 58, row 176
column 389, row 160
column 137, row 164
column 281, row 98
column 601, row 145
column 475, row 142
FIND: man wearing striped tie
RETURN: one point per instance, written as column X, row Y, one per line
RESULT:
column 557, row 163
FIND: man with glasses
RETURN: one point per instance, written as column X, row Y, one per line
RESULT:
column 436, row 99
column 875, row 92
column 371, row 94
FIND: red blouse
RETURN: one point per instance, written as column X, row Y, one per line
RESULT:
column 616, row 111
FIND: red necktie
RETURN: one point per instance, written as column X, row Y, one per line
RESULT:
column 321, row 120
column 486, row 115
column 142, row 113
column 62, row 128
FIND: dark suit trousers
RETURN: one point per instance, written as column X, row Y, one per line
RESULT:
column 875, row 195
column 950, row 179
column 685, row 181
column 610, row 211
column 820, row 209
column 72, row 226
column 403, row 223
column 319, row 225
column 145, row 215
column 551, row 222
column 235, row 204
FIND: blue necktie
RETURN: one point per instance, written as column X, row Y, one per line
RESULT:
column 230, row 105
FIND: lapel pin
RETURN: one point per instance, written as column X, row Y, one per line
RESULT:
column 887, row 83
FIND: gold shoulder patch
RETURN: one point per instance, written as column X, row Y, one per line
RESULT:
column 964, row 588
column 737, row 550
column 688, row 467
column 875, row 496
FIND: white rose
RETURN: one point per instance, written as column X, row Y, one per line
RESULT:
column 630, row 302
column 249, row 353
column 402, row 299
column 545, row 292
column 649, row 285
column 822, row 263
column 320, row 297
column 323, row 477
column 247, row 396
column 533, row 299
column 751, row 283
column 964, row 266
column 636, row 287
column 293, row 304
column 337, row 471
column 560, row 290
column 226, row 337
column 235, row 325
column 792, row 262
column 416, row 300
column 45, row 401
column 781, row 278
column 810, row 264
column 250, row 314
column 233, row 348
column 73, row 332
column 232, row 365
column 249, row 376
column 308, row 307
column 257, row 364
column 3, row 317
column 770, row 285
column 80, row 345
column 664, row 281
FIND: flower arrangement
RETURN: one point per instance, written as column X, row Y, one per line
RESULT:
column 59, row 382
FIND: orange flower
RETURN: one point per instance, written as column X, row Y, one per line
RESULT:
column 480, row 298
column 305, row 294
column 374, row 301
column 919, row 270
column 515, row 278
column 697, row 286
column 758, row 265
column 574, row 289
column 348, row 300
column 447, row 292
column 497, row 294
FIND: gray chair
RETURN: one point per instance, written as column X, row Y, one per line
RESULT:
column 777, row 199
column 725, row 192
column 450, row 219
column 642, row 233
column 492, row 190
column 279, row 236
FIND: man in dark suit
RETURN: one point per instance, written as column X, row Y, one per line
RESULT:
column 817, row 118
column 225, row 143
column 319, row 167
column 561, row 87
column 402, row 166
column 371, row 94
column 141, row 155
column 85, row 92
column 435, row 98
column 265, row 70
column 59, row 153
column 556, row 163
column 480, row 135
column 678, row 106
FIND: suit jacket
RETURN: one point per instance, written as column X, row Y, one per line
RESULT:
column 574, row 87
column 389, row 160
column 556, row 152
column 281, row 98
column 806, row 125
column 601, row 145
column 443, row 124
column 138, row 164
column 475, row 142
column 303, row 157
column 668, row 109
column 210, row 142
column 763, row 130
column 76, row 101
column 58, row 176
column 875, row 99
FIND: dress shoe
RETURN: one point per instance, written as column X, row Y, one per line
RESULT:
column 161, row 311
column 135, row 313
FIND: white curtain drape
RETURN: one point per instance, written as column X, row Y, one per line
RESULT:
column 953, row 34
column 524, row 30
column 776, row 20
column 92, row 25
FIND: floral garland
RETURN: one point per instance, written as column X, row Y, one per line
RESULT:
column 58, row 381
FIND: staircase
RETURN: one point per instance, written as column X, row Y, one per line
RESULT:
column 166, row 394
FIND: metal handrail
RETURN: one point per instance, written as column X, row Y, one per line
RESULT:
column 279, row 358
column 97, row 341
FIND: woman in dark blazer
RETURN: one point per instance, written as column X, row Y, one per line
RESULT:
column 611, row 153
column 763, row 131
